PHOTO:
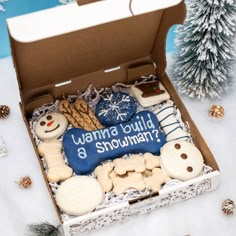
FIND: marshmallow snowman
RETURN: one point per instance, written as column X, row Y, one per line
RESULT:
column 48, row 129
column 181, row 160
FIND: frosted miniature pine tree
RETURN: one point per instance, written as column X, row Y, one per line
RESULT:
column 205, row 46
column 66, row 1
column 1, row 5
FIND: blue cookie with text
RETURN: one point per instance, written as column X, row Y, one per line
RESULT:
column 85, row 150
column 115, row 108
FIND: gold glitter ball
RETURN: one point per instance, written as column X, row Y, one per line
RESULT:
column 4, row 111
column 216, row 111
column 228, row 207
column 25, row 182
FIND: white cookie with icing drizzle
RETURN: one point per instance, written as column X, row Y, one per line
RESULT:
column 169, row 123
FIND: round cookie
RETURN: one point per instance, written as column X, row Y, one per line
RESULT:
column 181, row 160
column 79, row 195
column 51, row 126
column 115, row 108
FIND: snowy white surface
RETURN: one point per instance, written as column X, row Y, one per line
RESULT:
column 200, row 216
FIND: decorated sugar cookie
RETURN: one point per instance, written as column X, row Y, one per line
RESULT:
column 181, row 160
column 169, row 123
column 150, row 93
column 85, row 150
column 115, row 108
column 51, row 126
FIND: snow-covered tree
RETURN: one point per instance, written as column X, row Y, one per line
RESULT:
column 205, row 48
column 66, row 1
column 1, row 5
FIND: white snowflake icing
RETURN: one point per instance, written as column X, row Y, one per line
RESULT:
column 121, row 116
column 103, row 112
column 108, row 98
column 114, row 106
column 125, row 98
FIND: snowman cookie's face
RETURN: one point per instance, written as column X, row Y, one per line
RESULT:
column 181, row 160
column 51, row 126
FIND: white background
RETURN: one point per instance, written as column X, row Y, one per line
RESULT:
column 200, row 216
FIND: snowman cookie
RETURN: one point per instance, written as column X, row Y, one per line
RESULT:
column 181, row 160
column 48, row 129
column 51, row 126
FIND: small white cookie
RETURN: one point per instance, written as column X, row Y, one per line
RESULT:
column 151, row 161
column 135, row 163
column 79, row 195
column 181, row 160
column 51, row 126
column 102, row 173
column 150, row 93
column 133, row 180
column 57, row 169
column 155, row 181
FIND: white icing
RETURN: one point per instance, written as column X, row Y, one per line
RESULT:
column 169, row 123
column 138, row 126
column 175, row 166
column 52, row 128
column 123, row 135
column 115, row 106
column 79, row 195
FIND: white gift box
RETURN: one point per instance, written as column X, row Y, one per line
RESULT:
column 64, row 49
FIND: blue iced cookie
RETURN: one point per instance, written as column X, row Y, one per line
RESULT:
column 85, row 150
column 115, row 108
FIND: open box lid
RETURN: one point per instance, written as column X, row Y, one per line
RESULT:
column 64, row 43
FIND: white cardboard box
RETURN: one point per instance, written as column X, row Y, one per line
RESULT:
column 63, row 49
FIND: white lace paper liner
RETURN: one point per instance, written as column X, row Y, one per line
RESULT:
column 92, row 95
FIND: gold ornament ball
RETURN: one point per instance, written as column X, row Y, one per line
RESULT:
column 216, row 111
column 4, row 111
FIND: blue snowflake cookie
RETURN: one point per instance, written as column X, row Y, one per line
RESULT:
column 115, row 108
